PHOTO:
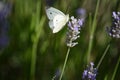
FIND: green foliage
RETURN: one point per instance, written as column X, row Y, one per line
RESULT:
column 35, row 53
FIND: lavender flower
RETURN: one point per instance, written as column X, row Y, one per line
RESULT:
column 81, row 13
column 4, row 11
column 114, row 31
column 90, row 73
column 74, row 27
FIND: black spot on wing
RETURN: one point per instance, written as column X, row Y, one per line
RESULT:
column 53, row 12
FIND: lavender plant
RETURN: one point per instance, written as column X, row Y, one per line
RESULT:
column 92, row 32
column 74, row 27
column 36, row 54
column 81, row 13
column 114, row 30
column 5, row 9
column 90, row 72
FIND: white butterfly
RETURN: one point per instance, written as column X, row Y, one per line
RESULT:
column 57, row 19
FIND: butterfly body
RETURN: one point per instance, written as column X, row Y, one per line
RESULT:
column 57, row 19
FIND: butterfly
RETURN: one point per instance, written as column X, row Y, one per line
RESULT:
column 57, row 19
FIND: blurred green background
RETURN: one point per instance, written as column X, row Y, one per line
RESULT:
column 29, row 40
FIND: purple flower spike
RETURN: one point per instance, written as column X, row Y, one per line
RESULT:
column 92, row 64
column 74, row 27
column 4, row 12
column 80, row 22
column 114, row 30
column 81, row 13
column 90, row 73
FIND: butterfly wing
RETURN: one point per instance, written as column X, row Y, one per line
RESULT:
column 51, row 24
column 57, row 19
column 52, row 12
column 58, row 22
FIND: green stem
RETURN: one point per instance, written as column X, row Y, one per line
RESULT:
column 66, row 58
column 34, row 48
column 116, row 67
column 90, row 43
column 33, row 60
column 92, row 32
column 36, row 24
column 103, row 56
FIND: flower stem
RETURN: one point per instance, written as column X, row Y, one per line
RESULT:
column 116, row 67
column 92, row 32
column 34, row 48
column 66, row 58
column 108, row 46
column 33, row 60
column 90, row 43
